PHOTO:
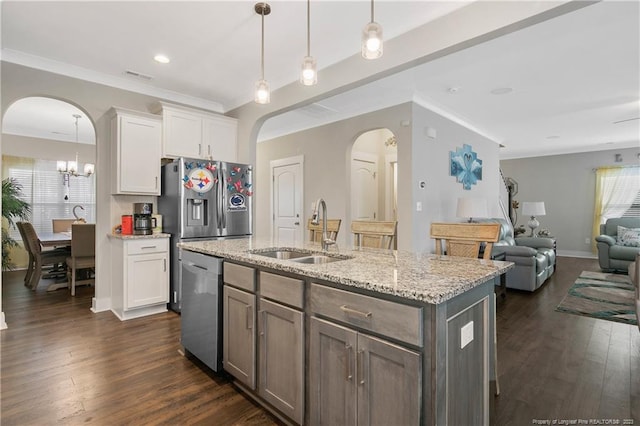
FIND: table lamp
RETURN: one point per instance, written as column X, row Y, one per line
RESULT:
column 533, row 209
column 472, row 207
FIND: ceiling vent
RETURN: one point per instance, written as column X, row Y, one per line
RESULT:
column 138, row 75
column 317, row 110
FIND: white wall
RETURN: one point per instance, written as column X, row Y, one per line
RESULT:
column 566, row 184
column 47, row 149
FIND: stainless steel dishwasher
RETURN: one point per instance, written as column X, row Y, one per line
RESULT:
column 201, row 315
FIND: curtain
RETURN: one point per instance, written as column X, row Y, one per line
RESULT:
column 44, row 188
column 616, row 190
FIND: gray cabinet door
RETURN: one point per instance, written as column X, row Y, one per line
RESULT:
column 281, row 356
column 389, row 383
column 239, row 350
column 332, row 385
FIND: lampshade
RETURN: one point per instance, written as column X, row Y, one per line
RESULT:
column 472, row 207
column 533, row 208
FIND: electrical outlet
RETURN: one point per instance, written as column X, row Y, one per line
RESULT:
column 466, row 334
column 419, row 206
column 587, row 240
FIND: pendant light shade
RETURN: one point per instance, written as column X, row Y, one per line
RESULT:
column 309, row 74
column 372, row 39
column 262, row 91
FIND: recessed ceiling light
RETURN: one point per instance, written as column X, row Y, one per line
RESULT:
column 453, row 90
column 162, row 59
column 501, row 91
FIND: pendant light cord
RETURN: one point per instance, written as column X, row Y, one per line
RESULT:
column 372, row 11
column 264, row 5
column 308, row 28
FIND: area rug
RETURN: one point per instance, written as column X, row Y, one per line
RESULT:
column 600, row 295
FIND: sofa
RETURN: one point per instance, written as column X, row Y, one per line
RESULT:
column 615, row 253
column 534, row 257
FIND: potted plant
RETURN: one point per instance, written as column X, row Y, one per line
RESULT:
column 13, row 209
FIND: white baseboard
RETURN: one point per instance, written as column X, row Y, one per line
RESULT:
column 575, row 253
column 100, row 305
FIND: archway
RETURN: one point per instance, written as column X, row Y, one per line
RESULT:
column 38, row 133
column 374, row 160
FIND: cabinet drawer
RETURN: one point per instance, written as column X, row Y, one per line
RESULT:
column 240, row 276
column 390, row 319
column 147, row 245
column 289, row 291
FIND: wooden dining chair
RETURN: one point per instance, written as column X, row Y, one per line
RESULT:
column 62, row 225
column 315, row 231
column 83, row 254
column 31, row 261
column 374, row 233
column 465, row 239
column 41, row 258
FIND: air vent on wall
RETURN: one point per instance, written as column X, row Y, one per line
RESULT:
column 138, row 75
column 317, row 110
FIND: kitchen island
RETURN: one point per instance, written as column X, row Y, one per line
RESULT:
column 364, row 337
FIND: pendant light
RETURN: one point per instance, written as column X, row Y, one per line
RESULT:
column 263, row 93
column 309, row 75
column 372, row 39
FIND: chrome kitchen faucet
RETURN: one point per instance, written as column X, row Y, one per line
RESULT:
column 326, row 241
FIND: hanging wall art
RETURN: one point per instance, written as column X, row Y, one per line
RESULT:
column 465, row 166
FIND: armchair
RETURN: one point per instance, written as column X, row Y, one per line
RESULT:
column 534, row 257
column 614, row 257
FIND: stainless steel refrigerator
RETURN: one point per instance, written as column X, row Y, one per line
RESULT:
column 203, row 199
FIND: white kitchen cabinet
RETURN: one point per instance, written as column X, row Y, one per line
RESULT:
column 220, row 138
column 197, row 134
column 140, row 268
column 135, row 153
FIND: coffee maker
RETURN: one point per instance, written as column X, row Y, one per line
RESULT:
column 143, row 223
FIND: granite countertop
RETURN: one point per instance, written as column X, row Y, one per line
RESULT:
column 138, row 237
column 416, row 276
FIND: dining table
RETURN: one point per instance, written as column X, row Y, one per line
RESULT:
column 55, row 239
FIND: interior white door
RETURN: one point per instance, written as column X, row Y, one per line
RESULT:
column 364, row 187
column 287, row 201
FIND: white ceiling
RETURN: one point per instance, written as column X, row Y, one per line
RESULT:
column 572, row 76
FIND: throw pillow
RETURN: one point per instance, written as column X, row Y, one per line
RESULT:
column 629, row 237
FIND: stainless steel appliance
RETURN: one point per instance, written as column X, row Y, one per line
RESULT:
column 143, row 223
column 201, row 318
column 203, row 199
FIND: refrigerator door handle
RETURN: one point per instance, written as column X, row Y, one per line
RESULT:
column 223, row 203
column 219, row 189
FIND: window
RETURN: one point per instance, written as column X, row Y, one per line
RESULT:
column 617, row 194
column 44, row 188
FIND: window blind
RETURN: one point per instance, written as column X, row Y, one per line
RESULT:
column 44, row 188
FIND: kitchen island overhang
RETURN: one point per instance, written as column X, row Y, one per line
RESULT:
column 449, row 325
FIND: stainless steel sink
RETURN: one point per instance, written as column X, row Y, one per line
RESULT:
column 317, row 259
column 282, row 254
column 299, row 256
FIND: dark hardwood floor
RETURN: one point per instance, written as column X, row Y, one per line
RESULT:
column 62, row 364
column 554, row 365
